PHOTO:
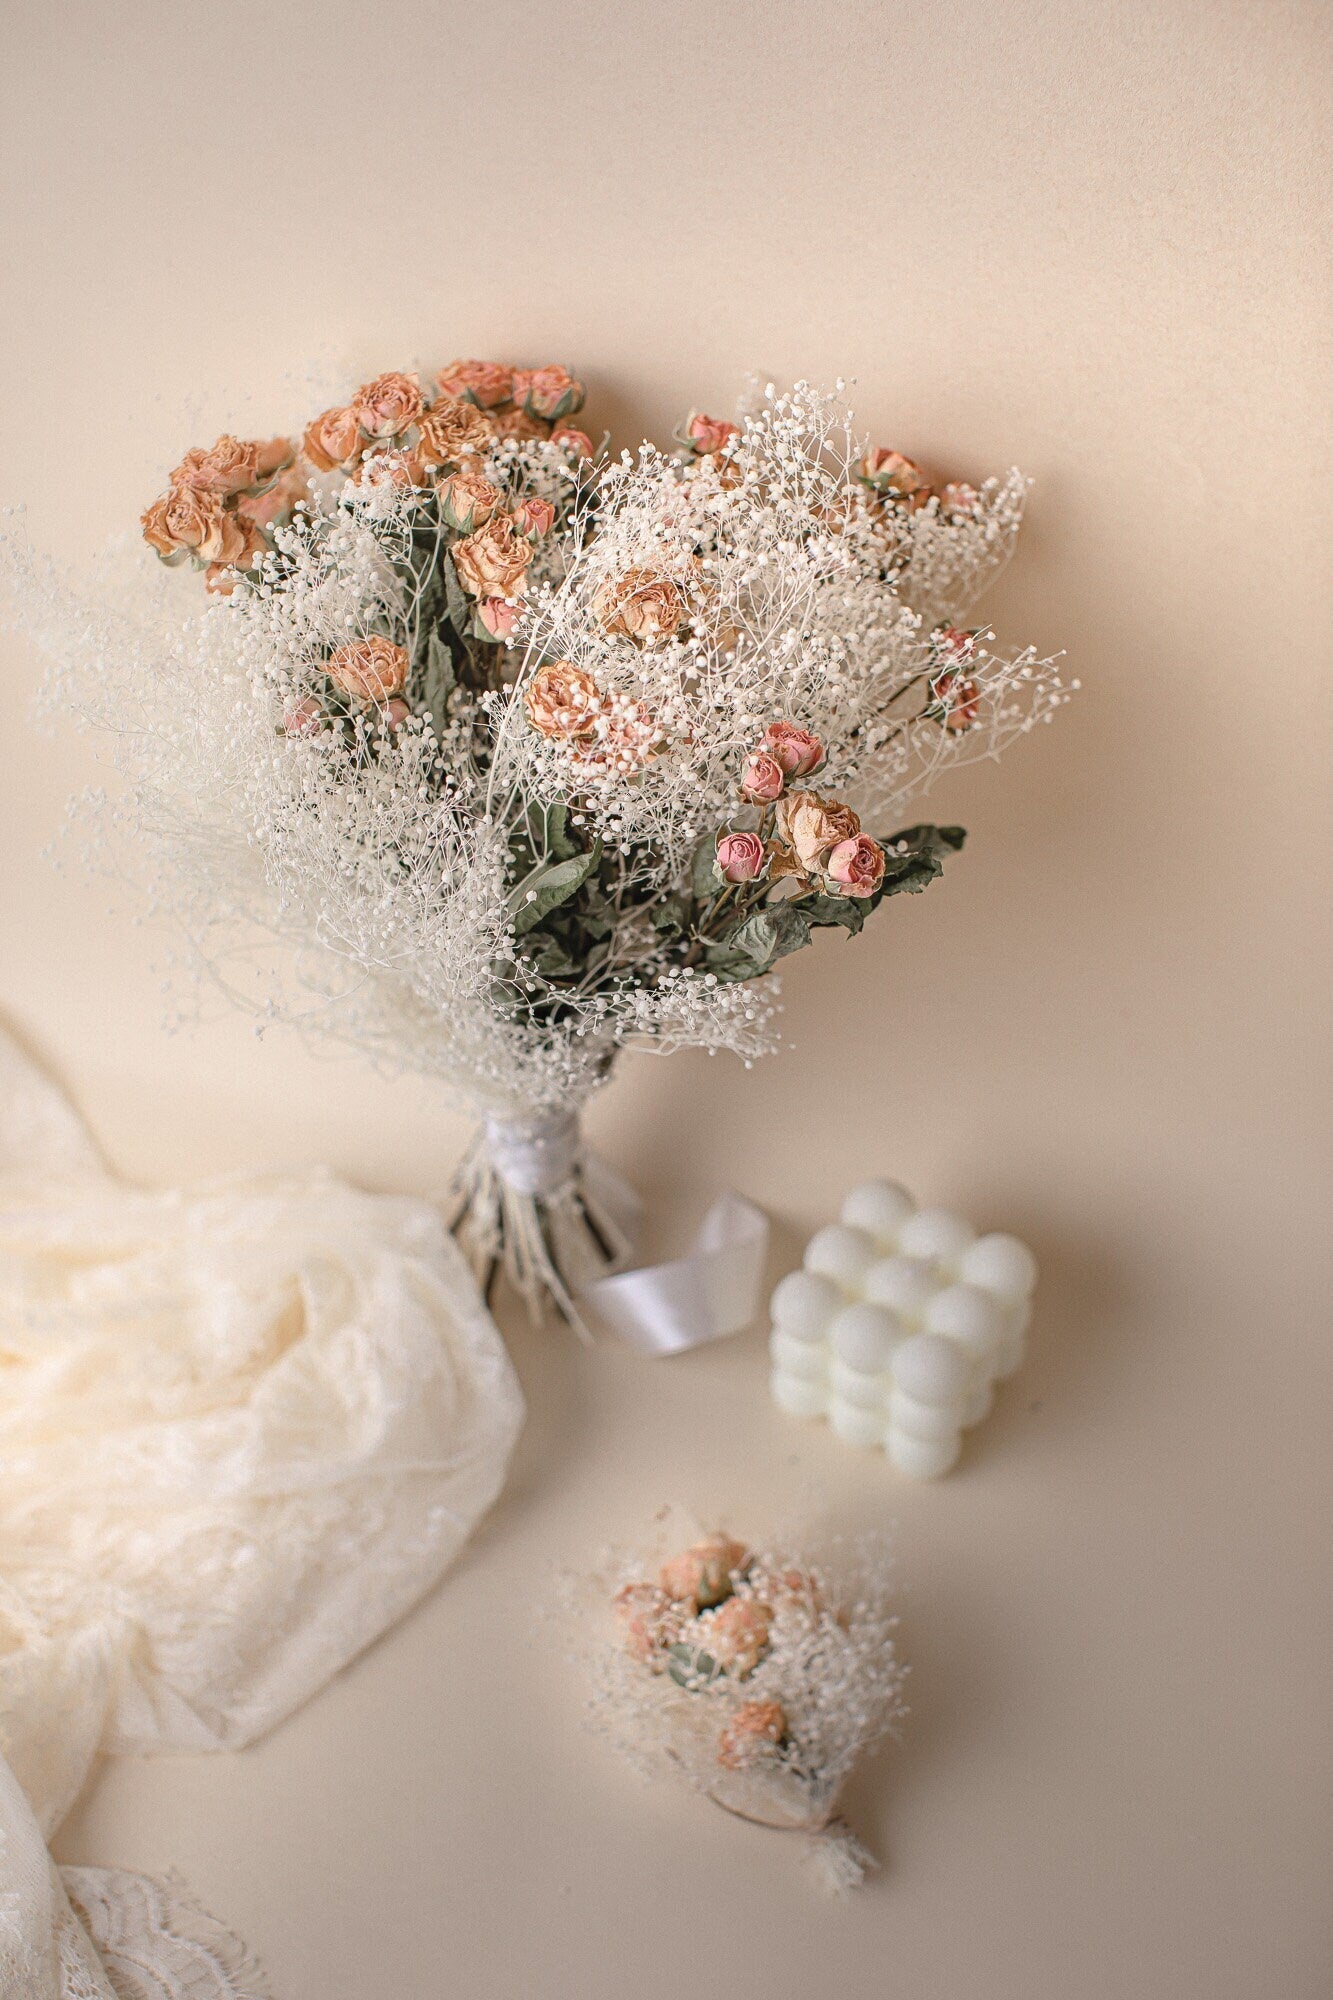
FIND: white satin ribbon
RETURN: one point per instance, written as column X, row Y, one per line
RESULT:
column 666, row 1308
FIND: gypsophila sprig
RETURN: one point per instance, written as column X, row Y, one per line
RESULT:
column 492, row 754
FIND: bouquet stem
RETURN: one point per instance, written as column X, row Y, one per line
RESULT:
column 527, row 1207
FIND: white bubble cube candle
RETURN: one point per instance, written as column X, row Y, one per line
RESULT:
column 898, row 1326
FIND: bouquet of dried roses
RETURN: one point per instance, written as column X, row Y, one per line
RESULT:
column 757, row 1677
column 494, row 754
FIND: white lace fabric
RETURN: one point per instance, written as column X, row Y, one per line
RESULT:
column 243, row 1427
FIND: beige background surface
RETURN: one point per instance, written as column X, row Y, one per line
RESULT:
column 1083, row 238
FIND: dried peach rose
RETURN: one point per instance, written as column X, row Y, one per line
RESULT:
column 188, row 521
column 452, row 430
column 231, row 465
column 389, row 405
column 736, row 1634
column 391, row 468
column 517, row 424
column 276, row 502
column 645, row 604
column 334, row 440
column 702, row 1575
column 562, row 701
column 493, row 562
column 624, row 738
column 369, row 669
column 485, row 383
column 467, row 501
column 756, row 1728
column 810, row 825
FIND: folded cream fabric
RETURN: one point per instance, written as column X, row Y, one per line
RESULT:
column 243, row 1427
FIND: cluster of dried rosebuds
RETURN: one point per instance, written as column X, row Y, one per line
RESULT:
column 898, row 482
column 816, row 841
column 222, row 504
column 756, row 1678
column 713, row 1614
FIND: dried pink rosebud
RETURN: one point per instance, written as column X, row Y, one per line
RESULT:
column 498, row 617
column 960, row 699
column 707, row 434
column 762, row 778
column 549, row 393
column 303, row 718
column 797, row 750
column 890, row 472
column 533, row 518
column 740, row 857
column 856, row 865
column 396, row 713
column 960, row 501
column 955, row 641
column 573, row 440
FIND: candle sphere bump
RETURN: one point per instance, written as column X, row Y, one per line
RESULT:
column 797, row 1396
column 853, row 1385
column 924, row 1458
column 854, row 1425
column 808, row 1358
column 843, row 1254
column 924, row 1420
column 905, row 1284
column 999, row 1264
column 804, row 1303
column 865, row 1336
column 880, row 1208
column 977, row 1320
column 936, row 1234
column 930, row 1368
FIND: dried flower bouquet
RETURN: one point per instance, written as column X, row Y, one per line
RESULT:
column 757, row 1677
column 522, row 753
